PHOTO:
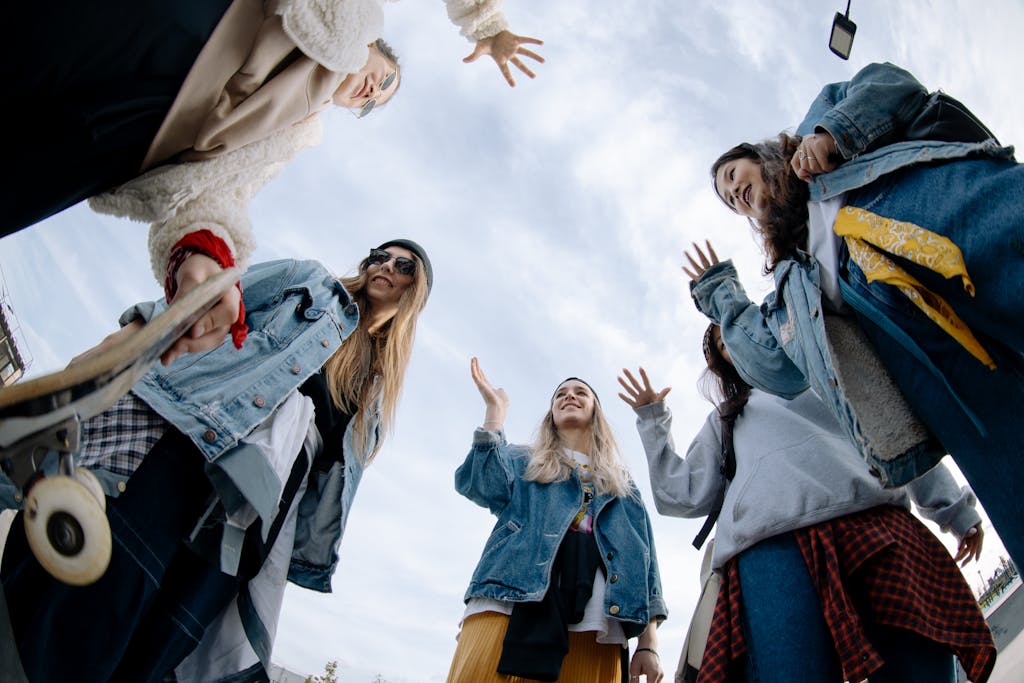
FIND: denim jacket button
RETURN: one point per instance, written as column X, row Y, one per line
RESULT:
column 312, row 313
column 324, row 343
column 351, row 309
column 209, row 436
column 613, row 578
column 121, row 486
column 610, row 556
column 614, row 609
column 259, row 402
column 296, row 369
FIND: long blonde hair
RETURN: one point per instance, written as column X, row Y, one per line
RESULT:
column 549, row 463
column 371, row 366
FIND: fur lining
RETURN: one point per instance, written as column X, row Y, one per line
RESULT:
column 477, row 19
column 334, row 33
column 887, row 425
column 178, row 198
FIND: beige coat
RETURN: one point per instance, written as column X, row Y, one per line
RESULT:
column 248, row 105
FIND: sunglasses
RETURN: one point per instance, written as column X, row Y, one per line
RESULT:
column 372, row 102
column 403, row 265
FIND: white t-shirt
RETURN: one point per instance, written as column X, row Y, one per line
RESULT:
column 824, row 243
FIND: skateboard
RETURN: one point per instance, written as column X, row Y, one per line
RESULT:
column 65, row 519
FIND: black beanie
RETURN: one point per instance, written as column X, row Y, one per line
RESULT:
column 420, row 253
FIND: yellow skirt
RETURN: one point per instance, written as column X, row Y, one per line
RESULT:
column 476, row 657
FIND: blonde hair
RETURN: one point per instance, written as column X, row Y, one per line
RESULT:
column 549, row 463
column 371, row 366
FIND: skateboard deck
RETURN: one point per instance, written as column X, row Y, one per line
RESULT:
column 64, row 513
column 91, row 386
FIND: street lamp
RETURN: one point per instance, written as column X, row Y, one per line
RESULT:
column 843, row 29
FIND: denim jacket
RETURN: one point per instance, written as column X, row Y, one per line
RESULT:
column 298, row 316
column 533, row 519
column 782, row 346
column 866, row 116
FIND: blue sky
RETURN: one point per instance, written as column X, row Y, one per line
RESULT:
column 555, row 215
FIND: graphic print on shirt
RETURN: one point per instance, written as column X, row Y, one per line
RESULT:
column 584, row 519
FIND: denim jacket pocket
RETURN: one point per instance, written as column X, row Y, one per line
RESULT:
column 501, row 535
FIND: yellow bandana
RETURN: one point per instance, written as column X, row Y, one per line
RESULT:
column 871, row 239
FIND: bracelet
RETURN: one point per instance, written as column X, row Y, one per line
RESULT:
column 647, row 649
column 493, row 422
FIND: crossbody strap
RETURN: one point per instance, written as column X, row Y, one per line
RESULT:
column 728, row 470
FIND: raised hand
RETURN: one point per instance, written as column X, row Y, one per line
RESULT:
column 640, row 394
column 495, row 399
column 702, row 262
column 504, row 48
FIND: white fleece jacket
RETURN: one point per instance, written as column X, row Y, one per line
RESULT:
column 214, row 194
column 795, row 467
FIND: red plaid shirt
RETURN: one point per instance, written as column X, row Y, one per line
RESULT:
column 873, row 553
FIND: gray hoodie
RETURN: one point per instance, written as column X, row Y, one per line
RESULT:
column 795, row 467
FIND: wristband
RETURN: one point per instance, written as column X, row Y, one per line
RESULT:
column 647, row 649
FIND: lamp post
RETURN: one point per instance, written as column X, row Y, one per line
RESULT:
column 843, row 30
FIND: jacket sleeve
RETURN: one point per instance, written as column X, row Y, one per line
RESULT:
column 867, row 110
column 941, row 500
column 487, row 476
column 757, row 355
column 212, row 194
column 477, row 19
column 656, row 607
column 682, row 487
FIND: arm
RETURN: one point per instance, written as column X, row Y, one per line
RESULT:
column 758, row 356
column 484, row 22
column 681, row 487
column 865, row 111
column 941, row 500
column 487, row 475
column 646, row 661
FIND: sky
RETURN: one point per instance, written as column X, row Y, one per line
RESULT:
column 555, row 214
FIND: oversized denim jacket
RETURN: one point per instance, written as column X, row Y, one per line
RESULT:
column 298, row 316
column 781, row 346
column 533, row 519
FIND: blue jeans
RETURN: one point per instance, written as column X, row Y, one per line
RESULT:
column 149, row 609
column 788, row 640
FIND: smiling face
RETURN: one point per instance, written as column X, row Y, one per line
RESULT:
column 572, row 405
column 384, row 284
column 741, row 186
column 359, row 88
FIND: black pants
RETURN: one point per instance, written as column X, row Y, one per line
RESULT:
column 86, row 87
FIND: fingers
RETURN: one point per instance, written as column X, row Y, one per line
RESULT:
column 711, row 252
column 532, row 41
column 503, row 67
column 220, row 317
column 531, row 54
column 207, row 342
column 522, row 67
column 472, row 57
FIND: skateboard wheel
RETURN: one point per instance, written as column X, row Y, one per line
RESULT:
column 67, row 530
column 86, row 478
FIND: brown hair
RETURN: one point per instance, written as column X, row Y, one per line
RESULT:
column 721, row 383
column 785, row 228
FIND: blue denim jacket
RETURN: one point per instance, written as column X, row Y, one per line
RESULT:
column 869, row 111
column 298, row 316
column 781, row 346
column 532, row 520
